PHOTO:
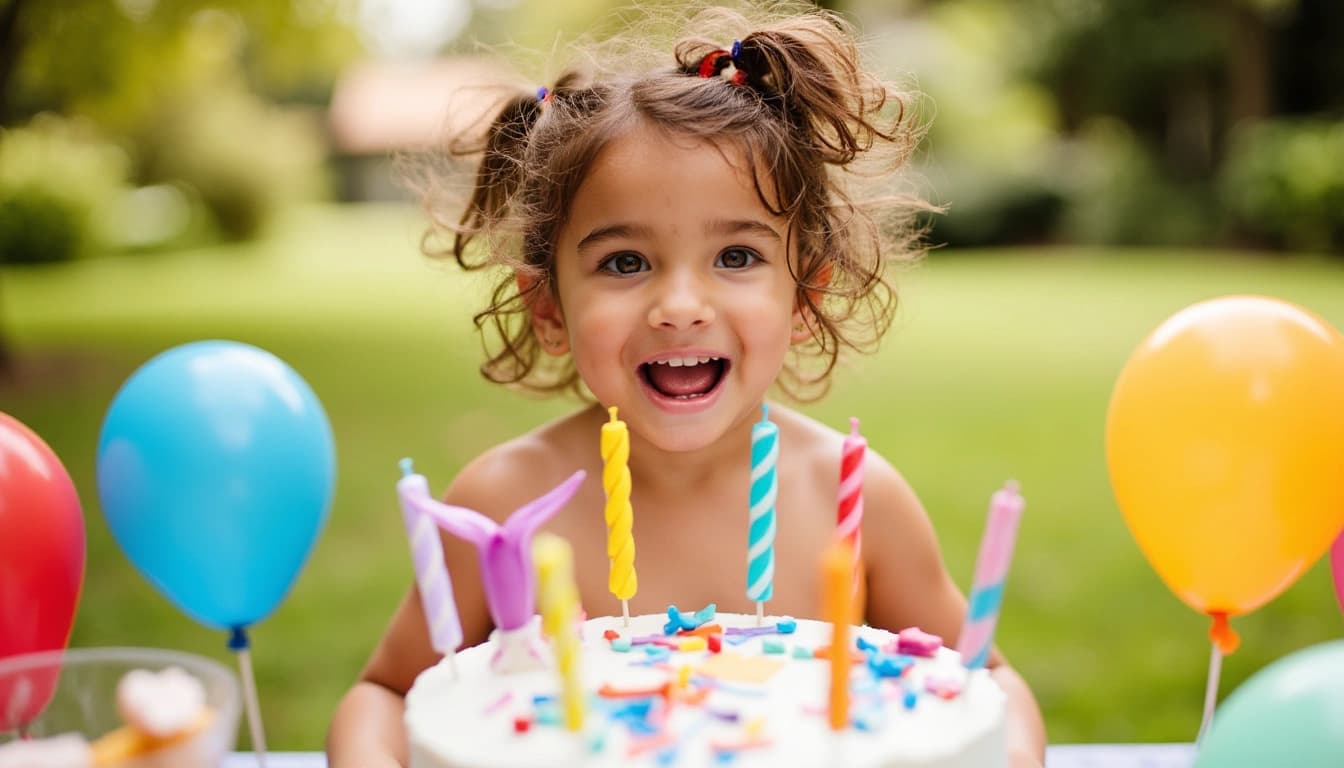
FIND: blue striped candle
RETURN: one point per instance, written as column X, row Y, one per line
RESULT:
column 764, row 490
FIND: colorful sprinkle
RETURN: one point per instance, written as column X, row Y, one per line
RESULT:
column 621, row 645
column 772, row 647
column 521, row 724
column 693, row 644
column 499, row 703
column 799, row 652
column 943, row 687
column 609, row 691
column 678, row 621
column 868, row 719
column 715, row 643
column 911, row 698
column 884, row 665
column 704, row 629
column 916, row 642
column 785, row 626
column 610, row 634
column 726, row 715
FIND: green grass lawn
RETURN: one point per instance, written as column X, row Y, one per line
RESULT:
column 1000, row 365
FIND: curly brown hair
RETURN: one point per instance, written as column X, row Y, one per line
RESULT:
column 815, row 126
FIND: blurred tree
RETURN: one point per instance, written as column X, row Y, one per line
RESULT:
column 112, row 60
column 1184, row 74
column 131, row 66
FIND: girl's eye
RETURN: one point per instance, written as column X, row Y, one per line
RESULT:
column 624, row 264
column 736, row 258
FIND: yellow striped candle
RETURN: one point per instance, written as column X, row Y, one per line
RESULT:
column 558, row 598
column 620, row 516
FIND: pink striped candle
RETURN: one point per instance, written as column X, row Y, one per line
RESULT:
column 991, row 570
column 849, row 506
column 431, row 573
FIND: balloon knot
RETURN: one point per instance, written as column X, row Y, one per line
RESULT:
column 238, row 639
column 1222, row 634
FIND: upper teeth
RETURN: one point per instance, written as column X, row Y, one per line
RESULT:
column 677, row 362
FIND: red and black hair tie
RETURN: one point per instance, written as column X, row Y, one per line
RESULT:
column 721, row 63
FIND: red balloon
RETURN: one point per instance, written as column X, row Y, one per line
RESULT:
column 42, row 550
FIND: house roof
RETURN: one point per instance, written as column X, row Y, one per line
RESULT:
column 381, row 106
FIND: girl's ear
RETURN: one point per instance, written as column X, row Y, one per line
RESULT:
column 548, row 322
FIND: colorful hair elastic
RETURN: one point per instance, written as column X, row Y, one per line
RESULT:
column 721, row 63
column 543, row 94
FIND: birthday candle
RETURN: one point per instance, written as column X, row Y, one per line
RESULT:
column 991, row 569
column 837, row 568
column 558, row 598
column 849, row 508
column 620, row 517
column 431, row 575
column 764, row 489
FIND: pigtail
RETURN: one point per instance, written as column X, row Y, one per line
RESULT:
column 497, row 178
column 807, row 68
column 804, row 72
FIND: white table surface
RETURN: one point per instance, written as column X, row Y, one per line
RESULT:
column 1056, row 756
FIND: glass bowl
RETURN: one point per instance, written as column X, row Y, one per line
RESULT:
column 79, row 686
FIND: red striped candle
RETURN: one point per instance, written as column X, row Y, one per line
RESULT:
column 849, row 510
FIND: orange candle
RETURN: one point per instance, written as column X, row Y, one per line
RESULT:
column 837, row 568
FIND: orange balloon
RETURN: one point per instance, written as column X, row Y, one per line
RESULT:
column 1225, row 443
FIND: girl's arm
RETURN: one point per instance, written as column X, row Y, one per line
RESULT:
column 366, row 730
column 908, row 585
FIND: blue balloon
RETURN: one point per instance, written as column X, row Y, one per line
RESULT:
column 215, row 471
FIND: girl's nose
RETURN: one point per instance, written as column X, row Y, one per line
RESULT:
column 681, row 303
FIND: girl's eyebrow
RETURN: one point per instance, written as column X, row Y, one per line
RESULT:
column 739, row 226
column 715, row 227
column 611, row 232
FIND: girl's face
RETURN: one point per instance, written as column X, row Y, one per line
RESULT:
column 675, row 295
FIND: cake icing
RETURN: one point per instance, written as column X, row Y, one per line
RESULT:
column 718, row 698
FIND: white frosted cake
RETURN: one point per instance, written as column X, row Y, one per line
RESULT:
column 713, row 696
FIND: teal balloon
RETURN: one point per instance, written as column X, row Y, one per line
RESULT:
column 216, row 468
column 1290, row 713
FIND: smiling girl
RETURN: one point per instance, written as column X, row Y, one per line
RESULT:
column 676, row 243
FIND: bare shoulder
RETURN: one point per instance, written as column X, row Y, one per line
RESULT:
column 813, row 447
column 817, row 448
column 512, row 473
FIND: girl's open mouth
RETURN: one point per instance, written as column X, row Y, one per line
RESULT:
column 686, row 378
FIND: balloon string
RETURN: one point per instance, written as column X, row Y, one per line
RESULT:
column 1211, row 691
column 238, row 643
column 1222, row 634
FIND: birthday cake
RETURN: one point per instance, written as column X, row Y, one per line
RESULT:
column 725, row 692
column 691, row 690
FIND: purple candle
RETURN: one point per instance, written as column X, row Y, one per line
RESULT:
column 505, row 550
